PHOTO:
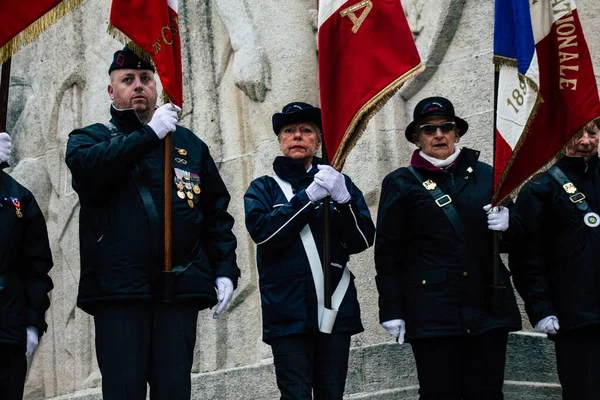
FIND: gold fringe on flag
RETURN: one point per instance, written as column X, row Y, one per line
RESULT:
column 121, row 37
column 361, row 119
column 30, row 33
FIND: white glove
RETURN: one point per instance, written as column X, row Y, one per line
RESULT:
column 224, row 294
column 4, row 147
column 164, row 120
column 396, row 328
column 548, row 325
column 316, row 192
column 32, row 340
column 334, row 182
column 497, row 217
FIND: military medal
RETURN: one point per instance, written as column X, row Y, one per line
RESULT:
column 591, row 219
column 196, row 189
column 190, row 203
column 17, row 205
column 180, row 194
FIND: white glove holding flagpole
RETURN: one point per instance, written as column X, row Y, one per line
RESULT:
column 4, row 147
column 497, row 217
column 334, row 182
column 164, row 120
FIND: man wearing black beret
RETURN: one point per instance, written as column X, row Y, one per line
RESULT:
column 117, row 171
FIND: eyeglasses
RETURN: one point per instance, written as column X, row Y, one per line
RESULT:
column 431, row 129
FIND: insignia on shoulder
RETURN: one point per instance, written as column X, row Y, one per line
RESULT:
column 181, row 152
column 591, row 219
column 569, row 188
column 429, row 184
column 470, row 170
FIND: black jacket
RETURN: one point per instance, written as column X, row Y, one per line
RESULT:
column 426, row 274
column 118, row 174
column 288, row 296
column 556, row 267
column 25, row 261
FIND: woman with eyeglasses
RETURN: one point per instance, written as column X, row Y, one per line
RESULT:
column 284, row 216
column 433, row 256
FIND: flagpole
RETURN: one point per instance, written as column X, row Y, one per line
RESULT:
column 4, row 86
column 168, row 178
column 326, row 239
column 497, row 289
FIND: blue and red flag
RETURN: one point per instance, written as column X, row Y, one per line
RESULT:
column 546, row 87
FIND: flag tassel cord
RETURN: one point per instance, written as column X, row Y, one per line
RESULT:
column 359, row 123
column 121, row 37
column 30, row 33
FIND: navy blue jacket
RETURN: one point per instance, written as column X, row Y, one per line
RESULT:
column 556, row 264
column 288, row 296
column 118, row 175
column 426, row 274
column 25, row 261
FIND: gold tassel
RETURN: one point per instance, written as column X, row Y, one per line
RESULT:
column 363, row 116
column 30, row 33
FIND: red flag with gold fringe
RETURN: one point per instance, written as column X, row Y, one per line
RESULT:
column 366, row 53
column 22, row 21
column 153, row 27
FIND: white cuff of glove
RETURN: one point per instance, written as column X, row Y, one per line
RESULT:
column 548, row 325
column 316, row 192
column 498, row 217
column 224, row 294
column 32, row 340
column 396, row 328
column 334, row 182
column 4, row 147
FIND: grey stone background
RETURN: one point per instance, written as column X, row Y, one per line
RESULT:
column 232, row 50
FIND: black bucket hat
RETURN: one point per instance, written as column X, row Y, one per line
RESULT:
column 296, row 112
column 434, row 106
column 127, row 59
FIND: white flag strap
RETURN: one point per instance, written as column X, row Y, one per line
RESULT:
column 326, row 317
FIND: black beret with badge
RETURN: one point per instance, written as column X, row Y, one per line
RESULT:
column 128, row 59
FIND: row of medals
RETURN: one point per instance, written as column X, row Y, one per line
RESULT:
column 188, row 188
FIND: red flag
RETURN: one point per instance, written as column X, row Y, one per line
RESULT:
column 153, row 27
column 366, row 52
column 21, row 21
column 547, row 89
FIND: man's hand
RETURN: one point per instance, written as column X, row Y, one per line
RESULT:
column 32, row 340
column 497, row 217
column 396, row 328
column 164, row 120
column 548, row 325
column 224, row 294
column 4, row 147
column 334, row 182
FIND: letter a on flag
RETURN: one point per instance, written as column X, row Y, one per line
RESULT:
column 546, row 87
column 366, row 52
column 153, row 27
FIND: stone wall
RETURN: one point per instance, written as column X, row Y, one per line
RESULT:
column 243, row 60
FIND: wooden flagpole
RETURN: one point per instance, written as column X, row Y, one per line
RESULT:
column 168, row 267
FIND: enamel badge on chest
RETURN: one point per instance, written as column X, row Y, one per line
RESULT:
column 591, row 219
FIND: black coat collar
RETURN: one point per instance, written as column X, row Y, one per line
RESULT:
column 578, row 165
column 467, row 158
column 293, row 171
column 126, row 120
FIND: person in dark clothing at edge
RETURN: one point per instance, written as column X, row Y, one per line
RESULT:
column 555, row 266
column 25, row 261
column 433, row 256
column 284, row 216
column 117, row 171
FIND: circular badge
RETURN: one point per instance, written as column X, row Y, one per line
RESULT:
column 591, row 219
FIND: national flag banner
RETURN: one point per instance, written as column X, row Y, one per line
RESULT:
column 153, row 27
column 366, row 53
column 23, row 20
column 546, row 87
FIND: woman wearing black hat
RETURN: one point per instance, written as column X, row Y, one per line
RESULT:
column 433, row 257
column 284, row 215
